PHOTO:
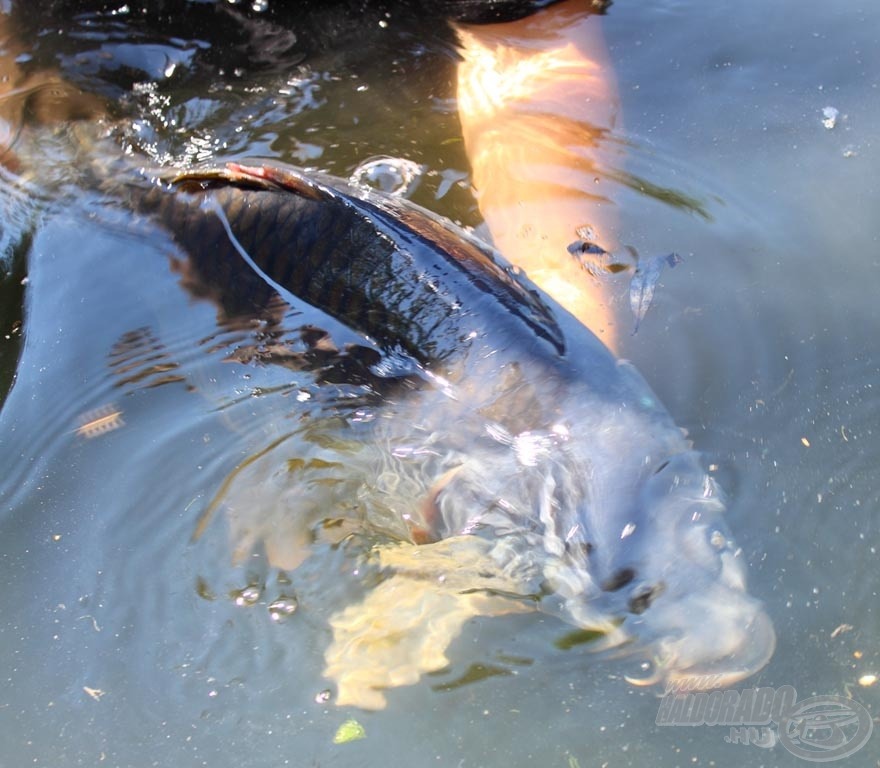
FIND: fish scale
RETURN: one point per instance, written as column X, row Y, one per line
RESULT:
column 398, row 289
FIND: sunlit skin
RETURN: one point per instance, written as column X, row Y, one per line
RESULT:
column 537, row 102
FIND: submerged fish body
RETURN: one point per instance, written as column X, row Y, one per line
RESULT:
column 526, row 466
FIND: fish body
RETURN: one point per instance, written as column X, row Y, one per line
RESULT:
column 522, row 465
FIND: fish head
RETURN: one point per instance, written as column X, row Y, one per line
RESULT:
column 603, row 512
column 686, row 598
column 661, row 574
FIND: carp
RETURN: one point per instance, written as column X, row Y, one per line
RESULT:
column 512, row 463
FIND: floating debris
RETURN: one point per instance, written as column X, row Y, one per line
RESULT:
column 866, row 681
column 829, row 117
column 100, row 421
column 350, row 730
column 841, row 629
column 641, row 289
column 595, row 260
column 94, row 621
column 95, row 693
column 203, row 590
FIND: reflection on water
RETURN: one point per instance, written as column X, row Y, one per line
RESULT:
column 139, row 359
column 762, row 343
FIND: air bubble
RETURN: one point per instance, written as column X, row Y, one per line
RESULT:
column 392, row 175
column 282, row 608
column 247, row 596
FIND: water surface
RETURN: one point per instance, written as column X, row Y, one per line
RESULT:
column 762, row 343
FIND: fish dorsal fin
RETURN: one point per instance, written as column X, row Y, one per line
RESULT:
column 250, row 177
column 278, row 177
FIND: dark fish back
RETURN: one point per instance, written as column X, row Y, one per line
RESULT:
column 385, row 269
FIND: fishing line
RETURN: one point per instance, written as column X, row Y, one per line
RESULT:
column 413, row 366
column 210, row 204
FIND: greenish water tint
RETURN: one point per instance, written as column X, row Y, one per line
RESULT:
column 762, row 343
column 473, row 674
column 577, row 637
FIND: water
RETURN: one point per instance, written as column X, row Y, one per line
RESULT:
column 121, row 638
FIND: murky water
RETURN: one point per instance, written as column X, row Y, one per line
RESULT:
column 124, row 642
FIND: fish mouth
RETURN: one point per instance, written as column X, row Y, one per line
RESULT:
column 733, row 641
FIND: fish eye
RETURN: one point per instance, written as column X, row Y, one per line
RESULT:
column 618, row 579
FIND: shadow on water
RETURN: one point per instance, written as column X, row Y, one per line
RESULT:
column 20, row 210
column 13, row 276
